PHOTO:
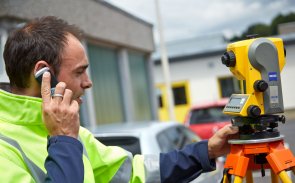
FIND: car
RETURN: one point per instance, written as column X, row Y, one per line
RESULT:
column 152, row 138
column 206, row 118
column 146, row 138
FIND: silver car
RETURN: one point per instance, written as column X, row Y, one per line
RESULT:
column 152, row 138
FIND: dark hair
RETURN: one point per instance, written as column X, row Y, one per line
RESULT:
column 40, row 39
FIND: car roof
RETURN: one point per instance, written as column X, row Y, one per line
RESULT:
column 132, row 128
column 207, row 104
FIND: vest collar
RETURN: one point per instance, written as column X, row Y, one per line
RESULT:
column 20, row 109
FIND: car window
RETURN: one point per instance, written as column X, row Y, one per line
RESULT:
column 212, row 114
column 130, row 144
column 164, row 143
column 169, row 139
column 175, row 138
column 190, row 136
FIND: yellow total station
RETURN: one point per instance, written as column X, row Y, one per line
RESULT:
column 257, row 63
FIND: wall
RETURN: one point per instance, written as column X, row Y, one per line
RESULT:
column 288, row 78
column 203, row 73
column 104, row 26
column 98, row 19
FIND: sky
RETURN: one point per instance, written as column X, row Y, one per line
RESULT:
column 183, row 19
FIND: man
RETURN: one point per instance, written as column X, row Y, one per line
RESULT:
column 56, row 164
column 51, row 42
column 64, row 161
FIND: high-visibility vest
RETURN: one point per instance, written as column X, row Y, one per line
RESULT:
column 21, row 120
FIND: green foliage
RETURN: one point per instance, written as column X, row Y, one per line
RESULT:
column 279, row 20
column 266, row 30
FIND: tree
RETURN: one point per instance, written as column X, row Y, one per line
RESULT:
column 279, row 20
column 266, row 30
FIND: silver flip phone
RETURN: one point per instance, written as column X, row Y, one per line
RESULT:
column 53, row 81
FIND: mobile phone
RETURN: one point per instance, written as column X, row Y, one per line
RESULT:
column 53, row 81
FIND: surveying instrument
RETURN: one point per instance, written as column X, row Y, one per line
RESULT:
column 257, row 63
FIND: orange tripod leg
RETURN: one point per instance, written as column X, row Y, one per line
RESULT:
column 236, row 162
column 281, row 159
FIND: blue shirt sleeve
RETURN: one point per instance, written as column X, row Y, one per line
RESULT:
column 186, row 164
column 64, row 163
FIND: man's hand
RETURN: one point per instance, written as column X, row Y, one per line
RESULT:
column 217, row 144
column 60, row 112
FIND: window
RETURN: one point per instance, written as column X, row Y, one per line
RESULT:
column 175, row 138
column 140, row 90
column 170, row 139
column 228, row 86
column 106, row 90
column 179, row 95
column 128, row 143
column 190, row 136
column 212, row 114
column 179, row 90
column 164, row 143
column 159, row 97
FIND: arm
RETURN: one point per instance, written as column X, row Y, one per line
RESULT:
column 64, row 161
column 194, row 159
column 186, row 164
column 118, row 165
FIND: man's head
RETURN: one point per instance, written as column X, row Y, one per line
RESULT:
column 46, row 42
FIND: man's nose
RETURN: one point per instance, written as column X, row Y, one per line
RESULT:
column 87, row 83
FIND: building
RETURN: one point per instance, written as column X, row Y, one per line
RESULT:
column 197, row 74
column 287, row 28
column 119, row 46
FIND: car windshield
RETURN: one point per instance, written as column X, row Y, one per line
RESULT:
column 175, row 138
column 212, row 114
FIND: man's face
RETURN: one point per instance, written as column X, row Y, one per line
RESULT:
column 73, row 68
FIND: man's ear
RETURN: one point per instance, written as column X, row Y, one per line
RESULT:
column 39, row 65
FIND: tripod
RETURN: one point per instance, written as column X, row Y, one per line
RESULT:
column 257, row 63
column 248, row 155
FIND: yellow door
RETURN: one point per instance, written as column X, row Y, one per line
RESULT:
column 181, row 97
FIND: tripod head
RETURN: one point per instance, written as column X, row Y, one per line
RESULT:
column 257, row 63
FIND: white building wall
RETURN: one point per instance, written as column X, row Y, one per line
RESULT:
column 203, row 73
column 288, row 78
column 98, row 19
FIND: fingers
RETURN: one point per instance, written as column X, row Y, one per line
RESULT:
column 217, row 144
column 61, row 113
column 228, row 130
column 59, row 90
column 45, row 88
column 75, row 106
column 67, row 97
